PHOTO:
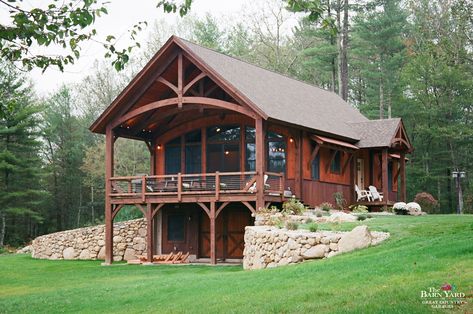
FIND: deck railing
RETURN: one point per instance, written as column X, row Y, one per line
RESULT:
column 193, row 184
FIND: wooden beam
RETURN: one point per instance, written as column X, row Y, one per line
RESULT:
column 298, row 170
column 248, row 205
column 109, row 165
column 149, row 233
column 168, row 84
column 347, row 162
column 260, row 161
column 313, row 155
column 157, row 209
column 402, row 170
column 329, row 163
column 180, row 78
column 352, row 179
column 191, row 83
column 213, row 244
column 384, row 176
column 220, row 208
column 205, row 208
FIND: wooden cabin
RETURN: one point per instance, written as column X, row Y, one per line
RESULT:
column 227, row 138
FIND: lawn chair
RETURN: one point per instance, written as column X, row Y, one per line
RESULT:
column 362, row 194
column 375, row 194
column 252, row 188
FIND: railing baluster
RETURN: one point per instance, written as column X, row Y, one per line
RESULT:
column 217, row 185
column 143, row 189
column 179, row 186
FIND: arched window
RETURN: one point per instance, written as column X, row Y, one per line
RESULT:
column 172, row 152
column 223, row 148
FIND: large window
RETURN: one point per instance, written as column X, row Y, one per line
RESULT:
column 250, row 158
column 276, row 152
column 223, row 148
column 193, row 152
column 335, row 166
column 173, row 156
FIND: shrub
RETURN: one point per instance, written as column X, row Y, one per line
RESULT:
column 340, row 200
column 427, row 202
column 319, row 213
column 359, row 208
column 326, row 206
column 275, row 221
column 270, row 210
column 293, row 207
column 361, row 217
column 312, row 227
column 369, row 216
column 400, row 208
column 309, row 220
column 291, row 225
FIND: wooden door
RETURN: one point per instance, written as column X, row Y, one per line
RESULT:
column 179, row 230
column 229, row 233
column 360, row 173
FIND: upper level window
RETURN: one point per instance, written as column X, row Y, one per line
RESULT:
column 193, row 152
column 335, row 166
column 223, row 133
column 250, row 161
column 223, row 148
column 172, row 152
column 276, row 152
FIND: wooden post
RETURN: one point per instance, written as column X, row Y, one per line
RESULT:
column 109, row 143
column 260, row 162
column 204, row 151
column 213, row 253
column 384, row 176
column 179, row 186
column 143, row 189
column 149, row 233
column 403, row 176
column 152, row 157
column 180, row 78
column 352, row 178
column 298, row 174
column 217, row 185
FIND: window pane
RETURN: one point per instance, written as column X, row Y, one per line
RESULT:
column 390, row 176
column 194, row 137
column 231, row 158
column 214, row 157
column 172, row 159
column 250, row 157
column 277, row 156
column 250, row 134
column 193, row 158
column 223, row 133
column 335, row 167
column 176, row 227
column 316, row 168
column 174, row 141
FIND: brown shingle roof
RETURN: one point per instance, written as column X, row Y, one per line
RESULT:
column 376, row 133
column 283, row 98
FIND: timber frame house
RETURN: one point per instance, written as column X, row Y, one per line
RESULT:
column 227, row 138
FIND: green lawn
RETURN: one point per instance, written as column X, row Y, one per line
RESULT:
column 422, row 252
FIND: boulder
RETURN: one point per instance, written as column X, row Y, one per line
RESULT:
column 317, row 251
column 85, row 254
column 342, row 217
column 101, row 254
column 360, row 237
column 129, row 254
column 25, row 250
column 69, row 253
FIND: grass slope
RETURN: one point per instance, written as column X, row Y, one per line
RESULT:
column 422, row 252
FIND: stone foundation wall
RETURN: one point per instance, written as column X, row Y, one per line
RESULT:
column 129, row 240
column 267, row 247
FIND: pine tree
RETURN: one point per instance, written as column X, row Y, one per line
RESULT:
column 21, row 191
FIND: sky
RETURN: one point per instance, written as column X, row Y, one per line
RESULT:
column 122, row 15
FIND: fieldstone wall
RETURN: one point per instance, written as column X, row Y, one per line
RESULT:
column 267, row 246
column 129, row 240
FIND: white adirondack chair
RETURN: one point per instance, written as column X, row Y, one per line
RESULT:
column 252, row 188
column 362, row 194
column 375, row 194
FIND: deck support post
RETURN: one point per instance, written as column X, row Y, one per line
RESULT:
column 298, row 177
column 403, row 176
column 352, row 178
column 260, row 162
column 384, row 177
column 149, row 232
column 109, row 143
column 152, row 157
column 213, row 253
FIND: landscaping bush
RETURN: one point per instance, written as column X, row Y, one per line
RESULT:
column 359, row 208
column 427, row 202
column 270, row 210
column 309, row 220
column 400, row 208
column 326, row 206
column 319, row 213
column 312, row 227
column 361, row 217
column 293, row 207
column 276, row 221
column 340, row 200
column 369, row 216
column 291, row 225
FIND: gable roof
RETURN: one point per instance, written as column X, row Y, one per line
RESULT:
column 376, row 133
column 281, row 97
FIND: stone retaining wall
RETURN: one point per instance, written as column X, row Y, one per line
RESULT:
column 267, row 247
column 129, row 240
